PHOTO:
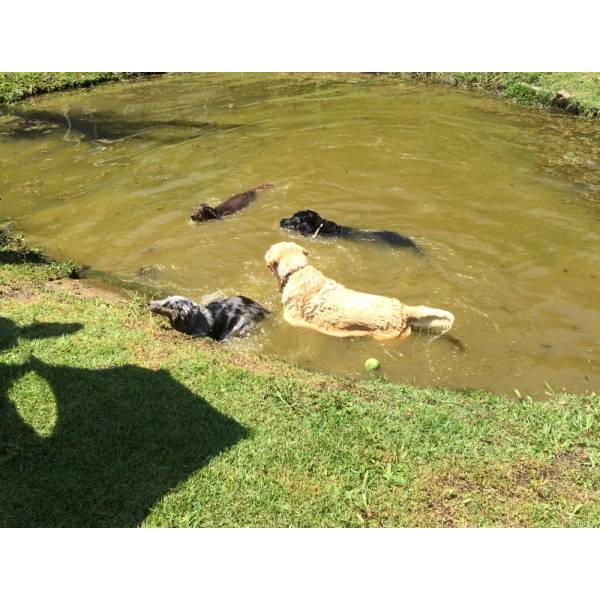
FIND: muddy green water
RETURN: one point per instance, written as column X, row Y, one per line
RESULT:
column 504, row 200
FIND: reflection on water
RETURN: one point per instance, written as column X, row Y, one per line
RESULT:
column 103, row 126
column 504, row 200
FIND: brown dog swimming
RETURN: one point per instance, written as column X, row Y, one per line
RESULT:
column 204, row 212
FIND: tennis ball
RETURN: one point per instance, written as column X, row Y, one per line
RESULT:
column 371, row 364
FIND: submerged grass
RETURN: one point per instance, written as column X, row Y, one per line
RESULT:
column 575, row 93
column 109, row 418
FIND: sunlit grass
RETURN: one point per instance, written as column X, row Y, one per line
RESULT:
column 14, row 86
column 530, row 88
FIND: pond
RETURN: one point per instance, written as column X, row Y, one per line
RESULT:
column 504, row 201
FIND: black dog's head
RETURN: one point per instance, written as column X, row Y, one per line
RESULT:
column 180, row 310
column 204, row 212
column 308, row 222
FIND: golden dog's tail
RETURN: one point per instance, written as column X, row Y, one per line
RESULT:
column 433, row 320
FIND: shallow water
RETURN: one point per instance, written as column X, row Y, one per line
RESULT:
column 504, row 200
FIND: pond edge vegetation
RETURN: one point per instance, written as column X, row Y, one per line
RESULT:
column 571, row 93
column 16, row 86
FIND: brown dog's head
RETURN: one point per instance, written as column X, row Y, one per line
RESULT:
column 204, row 212
column 285, row 258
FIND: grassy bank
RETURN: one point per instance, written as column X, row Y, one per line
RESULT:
column 574, row 93
column 108, row 417
column 16, row 86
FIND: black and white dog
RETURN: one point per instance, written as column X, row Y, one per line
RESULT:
column 309, row 222
column 219, row 320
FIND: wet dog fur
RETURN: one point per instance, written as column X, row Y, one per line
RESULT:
column 219, row 320
column 204, row 212
column 309, row 222
column 311, row 299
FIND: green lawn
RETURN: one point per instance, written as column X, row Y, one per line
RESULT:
column 109, row 418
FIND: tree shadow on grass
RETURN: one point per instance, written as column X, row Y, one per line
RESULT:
column 123, row 437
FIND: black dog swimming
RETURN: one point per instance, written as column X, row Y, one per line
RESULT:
column 219, row 320
column 309, row 222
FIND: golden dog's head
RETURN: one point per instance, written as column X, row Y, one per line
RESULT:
column 285, row 258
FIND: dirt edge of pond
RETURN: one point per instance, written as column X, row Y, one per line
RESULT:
column 88, row 288
column 82, row 288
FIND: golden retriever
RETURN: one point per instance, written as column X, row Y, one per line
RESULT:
column 312, row 300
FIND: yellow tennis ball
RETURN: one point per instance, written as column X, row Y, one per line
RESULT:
column 371, row 364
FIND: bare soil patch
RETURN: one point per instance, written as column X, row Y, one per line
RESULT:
column 87, row 288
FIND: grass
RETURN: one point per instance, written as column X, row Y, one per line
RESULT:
column 109, row 418
column 16, row 86
column 533, row 89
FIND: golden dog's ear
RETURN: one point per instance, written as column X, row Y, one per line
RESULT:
column 305, row 251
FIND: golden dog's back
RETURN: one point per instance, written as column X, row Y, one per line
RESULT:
column 312, row 300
